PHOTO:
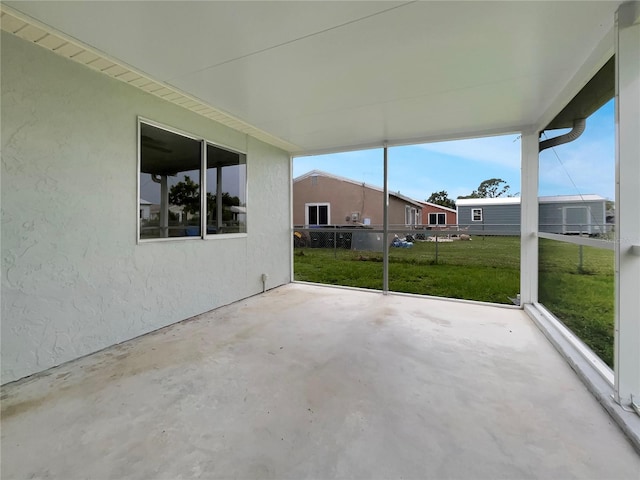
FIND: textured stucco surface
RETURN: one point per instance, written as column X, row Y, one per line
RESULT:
column 73, row 278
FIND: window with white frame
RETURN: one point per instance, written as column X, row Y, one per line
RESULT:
column 410, row 215
column 437, row 218
column 226, row 180
column 476, row 214
column 174, row 169
column 317, row 214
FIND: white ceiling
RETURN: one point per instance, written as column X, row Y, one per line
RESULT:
column 337, row 75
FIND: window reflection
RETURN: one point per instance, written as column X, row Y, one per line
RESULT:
column 170, row 203
column 226, row 180
column 169, row 184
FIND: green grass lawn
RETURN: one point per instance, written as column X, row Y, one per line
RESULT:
column 485, row 269
column 581, row 296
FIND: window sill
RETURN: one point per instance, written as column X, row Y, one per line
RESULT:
column 221, row 236
column 168, row 239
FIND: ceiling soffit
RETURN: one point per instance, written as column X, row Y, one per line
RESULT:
column 598, row 91
column 360, row 75
column 44, row 36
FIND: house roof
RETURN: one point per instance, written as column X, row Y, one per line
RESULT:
column 461, row 202
column 314, row 77
column 320, row 173
column 441, row 207
column 589, row 197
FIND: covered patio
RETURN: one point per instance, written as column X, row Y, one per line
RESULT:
column 190, row 352
column 318, row 382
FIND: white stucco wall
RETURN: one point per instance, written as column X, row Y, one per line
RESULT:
column 74, row 279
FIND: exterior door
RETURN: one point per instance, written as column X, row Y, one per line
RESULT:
column 576, row 220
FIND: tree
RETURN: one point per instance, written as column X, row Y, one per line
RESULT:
column 186, row 194
column 227, row 201
column 491, row 188
column 441, row 198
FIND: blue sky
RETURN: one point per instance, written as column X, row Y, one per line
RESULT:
column 580, row 167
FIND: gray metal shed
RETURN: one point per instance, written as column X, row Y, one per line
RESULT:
column 565, row 214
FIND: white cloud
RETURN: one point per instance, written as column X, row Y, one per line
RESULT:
column 503, row 150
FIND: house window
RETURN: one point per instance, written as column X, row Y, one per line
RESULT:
column 410, row 215
column 317, row 214
column 174, row 169
column 476, row 214
column 437, row 219
column 226, row 180
column 170, row 170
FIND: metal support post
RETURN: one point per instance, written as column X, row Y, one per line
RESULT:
column 627, row 302
column 385, row 226
column 529, row 215
column 581, row 260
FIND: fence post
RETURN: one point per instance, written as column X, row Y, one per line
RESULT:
column 580, row 267
column 436, row 247
column 580, row 252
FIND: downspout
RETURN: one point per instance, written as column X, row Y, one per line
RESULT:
column 579, row 125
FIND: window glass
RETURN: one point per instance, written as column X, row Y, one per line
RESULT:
column 313, row 215
column 410, row 215
column 171, row 181
column 437, row 219
column 226, row 180
column 323, row 214
column 169, row 184
column 318, row 214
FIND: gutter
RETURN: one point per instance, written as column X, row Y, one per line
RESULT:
column 579, row 124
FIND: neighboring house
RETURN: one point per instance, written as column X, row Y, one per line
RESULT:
column 145, row 209
column 570, row 214
column 437, row 216
column 321, row 198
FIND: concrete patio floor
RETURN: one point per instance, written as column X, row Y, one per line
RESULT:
column 317, row 382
